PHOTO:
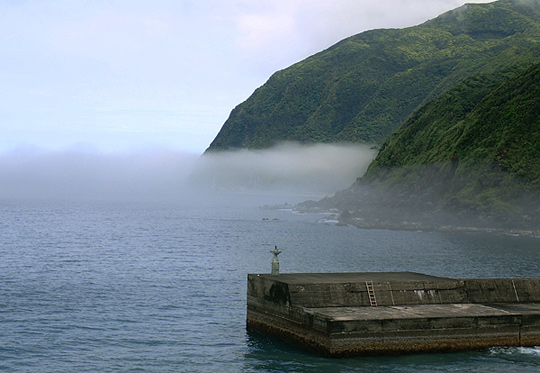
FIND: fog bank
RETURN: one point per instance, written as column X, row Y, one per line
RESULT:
column 147, row 175
column 317, row 169
column 92, row 175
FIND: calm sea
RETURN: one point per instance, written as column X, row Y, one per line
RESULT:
column 150, row 287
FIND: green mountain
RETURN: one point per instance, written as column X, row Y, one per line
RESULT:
column 363, row 88
column 469, row 157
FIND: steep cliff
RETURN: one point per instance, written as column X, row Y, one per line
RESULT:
column 363, row 88
column 469, row 157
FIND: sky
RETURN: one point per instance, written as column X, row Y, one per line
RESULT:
column 113, row 75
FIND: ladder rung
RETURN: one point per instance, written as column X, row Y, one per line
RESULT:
column 371, row 293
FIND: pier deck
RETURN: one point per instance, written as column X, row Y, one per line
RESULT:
column 334, row 313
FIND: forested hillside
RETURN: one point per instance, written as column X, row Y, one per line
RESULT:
column 469, row 158
column 364, row 88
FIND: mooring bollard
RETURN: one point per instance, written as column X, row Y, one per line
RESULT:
column 275, row 261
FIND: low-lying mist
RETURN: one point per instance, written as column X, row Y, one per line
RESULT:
column 93, row 175
column 162, row 175
column 317, row 169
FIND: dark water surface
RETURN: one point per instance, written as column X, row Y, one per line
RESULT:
column 108, row 287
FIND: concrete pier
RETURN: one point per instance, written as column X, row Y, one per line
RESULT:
column 355, row 314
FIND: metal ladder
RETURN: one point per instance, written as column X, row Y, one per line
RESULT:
column 371, row 293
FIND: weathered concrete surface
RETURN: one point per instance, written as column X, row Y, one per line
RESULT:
column 331, row 313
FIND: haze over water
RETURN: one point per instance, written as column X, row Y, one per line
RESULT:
column 139, row 261
column 154, row 174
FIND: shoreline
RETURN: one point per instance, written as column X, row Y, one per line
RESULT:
column 364, row 223
column 444, row 228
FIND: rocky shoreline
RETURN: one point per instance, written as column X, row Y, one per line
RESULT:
column 411, row 225
column 414, row 226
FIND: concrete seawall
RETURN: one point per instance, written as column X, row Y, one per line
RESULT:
column 353, row 314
